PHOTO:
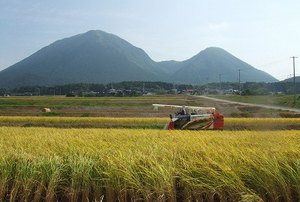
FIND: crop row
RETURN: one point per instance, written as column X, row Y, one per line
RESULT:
column 98, row 122
column 50, row 164
column 106, row 122
column 58, row 101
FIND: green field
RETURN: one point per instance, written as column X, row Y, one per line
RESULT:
column 83, row 101
column 133, row 106
column 83, row 106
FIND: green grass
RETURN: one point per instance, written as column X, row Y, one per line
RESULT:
column 83, row 101
column 52, row 119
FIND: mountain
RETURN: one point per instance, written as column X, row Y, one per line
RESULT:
column 99, row 57
column 297, row 79
column 212, row 64
column 92, row 57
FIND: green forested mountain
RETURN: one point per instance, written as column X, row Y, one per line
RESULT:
column 297, row 79
column 99, row 57
column 93, row 57
column 213, row 64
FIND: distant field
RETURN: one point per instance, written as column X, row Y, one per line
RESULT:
column 81, row 101
column 98, row 106
column 277, row 100
column 127, row 106
column 148, row 165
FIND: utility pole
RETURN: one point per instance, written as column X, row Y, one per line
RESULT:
column 240, row 82
column 220, row 82
column 207, row 90
column 294, row 80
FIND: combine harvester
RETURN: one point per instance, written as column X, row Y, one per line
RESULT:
column 194, row 118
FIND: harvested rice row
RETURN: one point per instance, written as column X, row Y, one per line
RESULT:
column 106, row 122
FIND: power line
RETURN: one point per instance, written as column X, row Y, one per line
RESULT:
column 271, row 63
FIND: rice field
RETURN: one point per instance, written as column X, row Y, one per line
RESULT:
column 52, row 164
column 154, row 123
column 130, row 158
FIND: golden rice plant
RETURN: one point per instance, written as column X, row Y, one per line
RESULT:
column 262, row 123
column 51, row 164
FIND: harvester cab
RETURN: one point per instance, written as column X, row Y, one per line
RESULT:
column 194, row 118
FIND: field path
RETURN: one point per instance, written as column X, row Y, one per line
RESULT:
column 250, row 104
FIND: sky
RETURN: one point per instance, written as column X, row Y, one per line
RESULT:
column 262, row 33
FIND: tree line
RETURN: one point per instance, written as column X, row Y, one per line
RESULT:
column 254, row 88
column 90, row 89
column 139, row 87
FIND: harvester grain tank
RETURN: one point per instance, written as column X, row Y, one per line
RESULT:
column 194, row 118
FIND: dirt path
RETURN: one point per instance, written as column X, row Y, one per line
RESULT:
column 250, row 104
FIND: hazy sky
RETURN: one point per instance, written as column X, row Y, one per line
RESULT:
column 263, row 33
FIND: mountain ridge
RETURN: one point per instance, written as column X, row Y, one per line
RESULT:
column 209, row 65
column 100, row 57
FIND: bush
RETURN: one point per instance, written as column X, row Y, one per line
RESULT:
column 248, row 92
column 89, row 95
column 70, row 95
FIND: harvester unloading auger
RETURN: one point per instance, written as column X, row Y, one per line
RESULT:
column 194, row 118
